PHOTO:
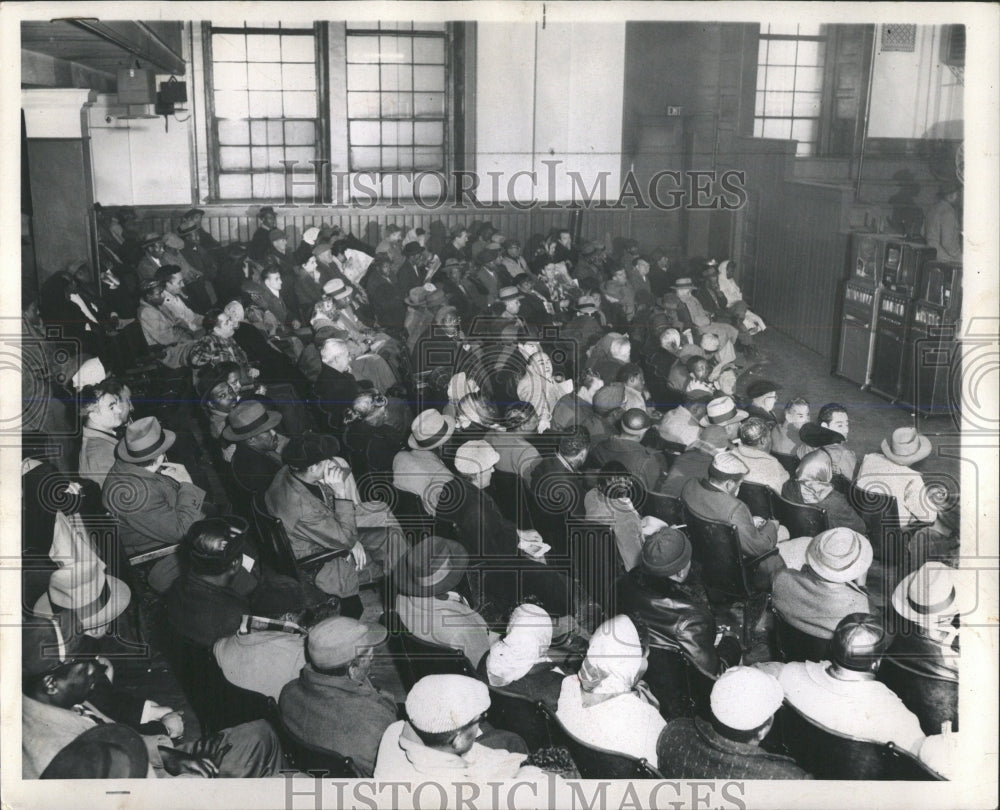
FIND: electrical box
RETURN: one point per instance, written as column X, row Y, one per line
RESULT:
column 136, row 86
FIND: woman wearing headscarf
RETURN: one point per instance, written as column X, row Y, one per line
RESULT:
column 813, row 485
column 607, row 705
column 522, row 661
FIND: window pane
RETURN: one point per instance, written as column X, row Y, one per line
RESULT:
column 780, row 78
column 362, row 105
column 263, row 48
column 430, row 133
column 784, row 29
column 428, row 158
column 804, row 130
column 397, row 77
column 428, row 78
column 428, row 50
column 428, row 104
column 809, row 78
column 362, row 49
column 234, row 186
column 364, row 133
column 777, row 128
column 781, row 52
column 777, row 103
column 363, row 26
column 229, row 48
column 805, row 149
column 396, row 49
column 258, row 132
column 363, row 77
column 758, row 108
column 397, row 132
column 231, row 104
column 265, row 104
column 274, row 132
column 811, row 29
column 298, row 49
column 264, row 76
column 762, row 47
column 758, row 128
column 229, row 76
column 428, row 187
column 231, row 158
column 302, row 155
column 298, row 77
column 300, row 105
column 258, row 157
column 810, row 53
column 364, row 157
column 234, row 132
column 268, row 186
column 300, row 132
column 397, row 105
column 419, row 26
column 806, row 104
column 390, row 158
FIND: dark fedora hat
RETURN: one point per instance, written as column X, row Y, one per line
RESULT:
column 144, row 440
column 818, row 436
column 92, row 755
column 303, row 451
column 247, row 420
column 432, row 567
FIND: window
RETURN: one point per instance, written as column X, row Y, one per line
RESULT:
column 789, row 97
column 265, row 107
column 385, row 105
column 397, row 96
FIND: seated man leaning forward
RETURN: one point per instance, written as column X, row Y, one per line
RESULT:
column 316, row 499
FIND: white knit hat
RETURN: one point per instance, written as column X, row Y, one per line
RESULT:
column 439, row 703
column 744, row 697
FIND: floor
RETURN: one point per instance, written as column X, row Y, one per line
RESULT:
column 800, row 371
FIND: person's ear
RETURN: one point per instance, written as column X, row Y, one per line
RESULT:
column 50, row 685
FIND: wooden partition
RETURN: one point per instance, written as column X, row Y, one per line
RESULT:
column 229, row 223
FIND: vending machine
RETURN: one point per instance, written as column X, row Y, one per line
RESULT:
column 861, row 297
column 932, row 352
column 902, row 270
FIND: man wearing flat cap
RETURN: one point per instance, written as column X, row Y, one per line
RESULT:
column 316, row 498
column 334, row 705
column 662, row 591
column 714, row 498
column 762, row 396
column 441, row 737
column 646, row 464
column 754, row 450
column 842, row 693
column 727, row 745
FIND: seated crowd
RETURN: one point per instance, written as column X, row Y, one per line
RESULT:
column 432, row 419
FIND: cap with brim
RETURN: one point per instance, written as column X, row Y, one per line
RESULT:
column 416, row 297
column 303, row 451
column 929, row 594
column 759, row 388
column 412, row 249
column 320, row 248
column 89, row 756
column 144, row 440
column 430, row 429
column 487, row 255
column 815, row 435
column 151, row 239
column 248, row 419
column 337, row 641
column 96, row 598
column 906, row 446
column 585, row 303
column 432, row 567
column 267, row 209
column 683, row 284
column 729, row 465
column 187, row 228
column 191, row 213
column 509, row 293
column 276, row 234
column 839, row 555
column 722, row 411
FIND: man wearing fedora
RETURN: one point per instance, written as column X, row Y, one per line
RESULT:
column 890, row 470
column 662, row 592
column 829, row 586
column 420, row 469
column 315, row 497
column 56, row 687
column 433, row 602
column 257, row 457
column 714, row 498
column 153, row 499
column 333, row 704
column 692, row 315
column 644, row 463
column 842, row 694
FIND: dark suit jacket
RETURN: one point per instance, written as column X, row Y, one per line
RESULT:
column 252, row 470
column 689, row 748
column 645, row 464
column 335, row 391
column 706, row 501
column 691, row 464
column 407, row 278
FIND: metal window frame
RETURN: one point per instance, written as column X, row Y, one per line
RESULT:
column 320, row 121
column 791, row 119
column 446, row 119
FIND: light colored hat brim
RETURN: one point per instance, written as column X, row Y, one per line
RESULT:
column 121, row 451
column 923, row 450
column 450, row 429
column 849, row 574
column 119, row 598
column 901, row 604
column 739, row 416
